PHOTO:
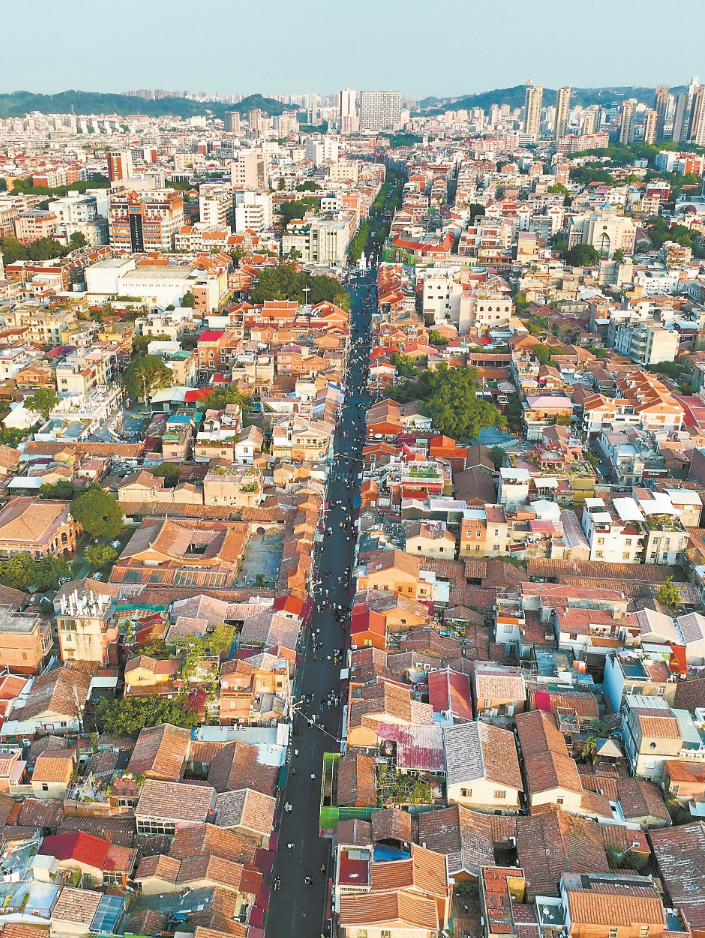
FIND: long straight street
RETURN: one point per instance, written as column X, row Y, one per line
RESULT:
column 298, row 908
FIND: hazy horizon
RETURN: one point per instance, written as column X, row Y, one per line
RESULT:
column 447, row 49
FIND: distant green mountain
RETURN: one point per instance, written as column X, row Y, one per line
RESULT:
column 514, row 97
column 20, row 103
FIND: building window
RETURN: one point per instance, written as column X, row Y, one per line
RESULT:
column 643, row 931
column 559, row 801
column 613, row 933
column 466, row 792
column 45, row 787
column 500, row 793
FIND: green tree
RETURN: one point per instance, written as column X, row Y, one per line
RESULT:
column 498, row 454
column 188, row 300
column 78, row 240
column 583, row 255
column 601, row 353
column 308, row 186
column 673, row 370
column 140, row 343
column 281, row 185
column 542, row 354
column 668, row 594
column 285, row 282
column 169, row 472
column 221, row 397
column 99, row 555
column 436, row 338
column 404, row 364
column 211, row 645
column 618, row 255
column 261, row 579
column 45, row 249
column 448, row 397
column 560, row 247
column 297, row 208
column 43, row 401
column 157, row 648
column 98, row 513
column 49, row 573
column 63, row 490
column 126, row 717
column 558, row 189
column 589, row 751
column 12, row 250
column 15, row 571
column 144, row 376
column 22, row 572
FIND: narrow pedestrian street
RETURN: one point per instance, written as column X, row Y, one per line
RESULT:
column 298, row 906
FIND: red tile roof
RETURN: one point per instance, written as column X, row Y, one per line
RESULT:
column 83, row 848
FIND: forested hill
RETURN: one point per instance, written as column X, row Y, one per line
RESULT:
column 89, row 102
column 514, row 97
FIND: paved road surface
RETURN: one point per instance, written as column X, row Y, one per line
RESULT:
column 297, row 910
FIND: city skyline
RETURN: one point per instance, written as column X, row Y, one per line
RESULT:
column 354, row 51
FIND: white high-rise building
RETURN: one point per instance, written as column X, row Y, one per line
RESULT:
column 322, row 150
column 532, row 108
column 591, row 120
column 349, row 122
column 348, row 106
column 380, row 110
column 215, row 205
column 248, row 170
column 625, row 130
column 562, row 111
column 253, row 210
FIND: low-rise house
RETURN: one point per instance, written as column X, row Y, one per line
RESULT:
column 684, row 781
column 356, row 780
column 86, row 625
column 429, row 539
column 551, row 842
column 229, row 486
column 483, row 532
column 679, row 854
column 52, row 773
column 393, row 571
column 641, row 803
column 165, row 807
column 254, row 691
column 147, row 675
column 482, row 768
column 513, row 487
column 449, row 695
column 247, row 812
column 551, row 775
column 367, row 628
column 383, row 702
column 652, row 734
column 612, row 905
column 642, row 671
column 498, row 691
column 99, row 861
column 54, row 705
column 25, row 641
column 161, row 752
column 39, row 527
column 615, row 533
column 500, row 889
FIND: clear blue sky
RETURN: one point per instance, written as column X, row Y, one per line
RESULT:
column 420, row 47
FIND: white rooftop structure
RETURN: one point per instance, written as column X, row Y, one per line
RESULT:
column 627, row 509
